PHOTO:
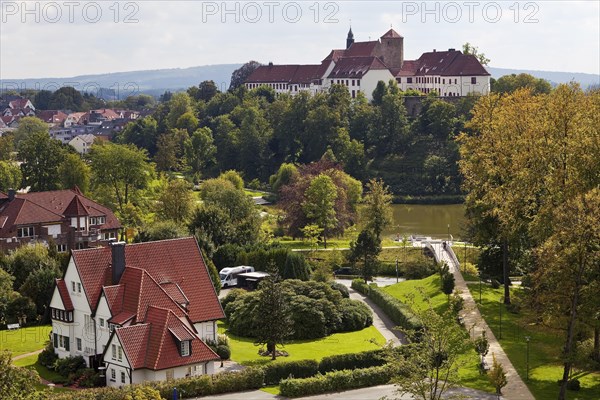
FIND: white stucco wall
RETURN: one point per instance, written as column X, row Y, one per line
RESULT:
column 77, row 328
column 207, row 330
column 370, row 79
column 102, row 332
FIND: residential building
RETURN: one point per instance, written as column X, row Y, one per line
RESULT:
column 144, row 311
column 82, row 143
column 64, row 217
column 361, row 65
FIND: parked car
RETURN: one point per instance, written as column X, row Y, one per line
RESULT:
column 345, row 271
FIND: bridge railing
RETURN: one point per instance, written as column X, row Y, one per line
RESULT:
column 453, row 256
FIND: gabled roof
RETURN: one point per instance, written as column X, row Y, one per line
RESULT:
column 21, row 212
column 57, row 201
column 64, row 294
column 76, row 208
column 443, row 63
column 154, row 344
column 391, row 34
column 176, row 260
column 272, row 74
column 361, row 49
column 355, row 67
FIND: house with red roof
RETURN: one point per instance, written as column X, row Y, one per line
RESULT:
column 361, row 65
column 64, row 217
column 143, row 311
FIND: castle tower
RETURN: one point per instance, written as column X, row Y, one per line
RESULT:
column 350, row 38
column 391, row 49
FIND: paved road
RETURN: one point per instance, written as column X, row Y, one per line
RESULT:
column 371, row 393
column 516, row 388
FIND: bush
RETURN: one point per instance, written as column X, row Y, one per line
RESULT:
column 469, row 268
column 295, row 267
column 132, row 392
column 360, row 286
column 574, row 385
column 225, row 256
column 232, row 296
column 69, row 365
column 335, row 381
column 366, row 359
column 89, row 378
column 340, row 288
column 224, row 352
column 418, row 269
column 48, row 357
column 355, row 315
column 275, row 372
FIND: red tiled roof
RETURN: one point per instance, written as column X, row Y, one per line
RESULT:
column 175, row 292
column 75, row 208
column 391, row 34
column 272, row 73
column 64, row 294
column 163, row 349
column 443, row 63
column 335, row 55
column 355, row 67
column 57, row 202
column 24, row 212
column 134, row 340
column 51, row 116
column 361, row 49
column 114, row 298
column 19, row 103
column 176, row 260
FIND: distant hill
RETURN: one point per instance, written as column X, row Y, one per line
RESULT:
column 155, row 82
column 553, row 77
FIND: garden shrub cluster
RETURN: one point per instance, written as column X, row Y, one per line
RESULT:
column 366, row 359
column 409, row 270
column 132, row 392
column 398, row 312
column 317, row 310
column 335, row 381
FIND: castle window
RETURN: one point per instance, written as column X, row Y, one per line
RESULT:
column 352, row 82
column 473, row 80
column 358, row 82
column 444, row 81
column 122, row 377
column 408, row 80
column 354, row 94
column 113, row 375
column 79, row 347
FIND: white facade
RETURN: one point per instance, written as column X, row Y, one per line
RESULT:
column 80, row 145
column 446, row 86
column 79, row 332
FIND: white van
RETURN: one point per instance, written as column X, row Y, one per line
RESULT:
column 229, row 275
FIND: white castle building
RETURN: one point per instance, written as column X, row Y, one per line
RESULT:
column 362, row 64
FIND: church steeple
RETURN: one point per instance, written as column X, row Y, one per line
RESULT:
column 350, row 38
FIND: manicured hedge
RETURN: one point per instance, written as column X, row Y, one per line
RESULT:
column 338, row 362
column 335, row 381
column 275, row 372
column 398, row 312
column 225, row 382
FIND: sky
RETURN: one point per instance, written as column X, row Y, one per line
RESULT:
column 69, row 38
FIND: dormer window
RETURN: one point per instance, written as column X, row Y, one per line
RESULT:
column 185, row 348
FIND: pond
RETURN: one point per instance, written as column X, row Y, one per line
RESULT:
column 427, row 220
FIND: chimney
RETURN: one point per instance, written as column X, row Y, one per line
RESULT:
column 11, row 194
column 270, row 64
column 434, row 50
column 451, row 49
column 118, row 261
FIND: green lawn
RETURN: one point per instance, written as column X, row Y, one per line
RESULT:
column 24, row 340
column 544, row 347
column 431, row 288
column 245, row 352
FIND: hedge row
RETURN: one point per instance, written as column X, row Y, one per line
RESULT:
column 275, row 372
column 335, row 381
column 247, row 379
column 338, row 362
column 225, row 382
column 398, row 312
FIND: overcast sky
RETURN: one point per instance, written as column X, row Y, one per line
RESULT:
column 85, row 37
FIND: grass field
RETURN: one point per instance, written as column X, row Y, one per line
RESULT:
column 544, row 347
column 24, row 340
column 412, row 291
column 245, row 352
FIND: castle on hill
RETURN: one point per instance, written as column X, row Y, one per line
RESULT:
column 361, row 65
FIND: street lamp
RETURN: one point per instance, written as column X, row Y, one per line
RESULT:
column 479, row 287
column 500, row 336
column 465, row 261
column 527, row 340
column 448, row 233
